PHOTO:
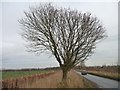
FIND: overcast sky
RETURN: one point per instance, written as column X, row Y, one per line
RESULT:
column 14, row 53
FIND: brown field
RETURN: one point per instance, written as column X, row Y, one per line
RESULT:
column 49, row 80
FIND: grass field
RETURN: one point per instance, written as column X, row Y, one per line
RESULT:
column 16, row 74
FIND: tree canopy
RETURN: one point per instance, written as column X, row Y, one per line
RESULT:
column 70, row 35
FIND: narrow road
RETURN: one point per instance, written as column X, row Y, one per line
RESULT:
column 102, row 82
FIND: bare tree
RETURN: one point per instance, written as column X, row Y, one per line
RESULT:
column 82, row 64
column 68, row 34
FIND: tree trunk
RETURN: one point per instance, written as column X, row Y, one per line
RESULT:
column 64, row 77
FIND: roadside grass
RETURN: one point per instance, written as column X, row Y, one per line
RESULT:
column 110, row 75
column 0, row 75
column 16, row 74
column 89, row 84
column 52, row 80
column 75, row 80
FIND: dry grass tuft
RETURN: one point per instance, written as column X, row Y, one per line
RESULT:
column 48, row 82
column 73, row 81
